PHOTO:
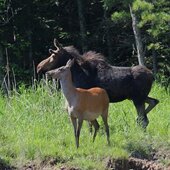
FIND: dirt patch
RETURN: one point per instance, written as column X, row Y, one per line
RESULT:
column 130, row 164
column 155, row 161
column 47, row 164
column 134, row 164
column 110, row 164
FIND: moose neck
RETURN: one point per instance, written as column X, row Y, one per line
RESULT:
column 68, row 88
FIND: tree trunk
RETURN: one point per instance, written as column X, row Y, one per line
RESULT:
column 82, row 24
column 30, row 59
column 138, row 39
column 1, row 64
column 8, row 85
column 108, row 37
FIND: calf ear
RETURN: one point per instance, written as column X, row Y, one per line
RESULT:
column 70, row 62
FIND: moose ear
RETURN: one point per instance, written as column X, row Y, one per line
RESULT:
column 57, row 44
column 70, row 63
column 51, row 51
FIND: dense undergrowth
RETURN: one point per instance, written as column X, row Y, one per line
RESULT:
column 34, row 125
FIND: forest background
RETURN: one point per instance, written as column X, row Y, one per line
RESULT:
column 27, row 30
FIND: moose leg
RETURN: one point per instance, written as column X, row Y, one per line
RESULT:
column 96, row 128
column 80, row 122
column 74, row 122
column 152, row 103
column 142, row 119
column 104, row 117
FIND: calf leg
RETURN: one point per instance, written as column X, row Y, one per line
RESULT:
column 80, row 122
column 74, row 122
column 96, row 128
column 152, row 103
column 90, row 127
column 66, row 106
column 104, row 117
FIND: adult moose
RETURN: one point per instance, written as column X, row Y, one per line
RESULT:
column 92, row 70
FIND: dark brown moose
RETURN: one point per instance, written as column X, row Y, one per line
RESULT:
column 92, row 70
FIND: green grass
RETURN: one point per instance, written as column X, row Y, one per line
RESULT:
column 34, row 125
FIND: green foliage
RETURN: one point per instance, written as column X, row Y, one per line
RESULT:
column 154, row 46
column 34, row 126
column 2, row 5
column 155, row 14
column 142, row 5
column 120, row 16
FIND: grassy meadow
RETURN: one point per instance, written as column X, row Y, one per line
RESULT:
column 34, row 125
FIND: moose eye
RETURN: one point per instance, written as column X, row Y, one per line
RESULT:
column 61, row 69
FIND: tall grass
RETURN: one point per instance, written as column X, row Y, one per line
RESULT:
column 35, row 125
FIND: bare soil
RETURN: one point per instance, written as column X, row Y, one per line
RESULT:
column 156, row 161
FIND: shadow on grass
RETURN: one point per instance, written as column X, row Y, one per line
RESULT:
column 5, row 166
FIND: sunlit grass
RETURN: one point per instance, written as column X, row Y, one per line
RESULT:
column 35, row 125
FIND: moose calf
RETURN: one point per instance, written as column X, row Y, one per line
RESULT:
column 83, row 104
